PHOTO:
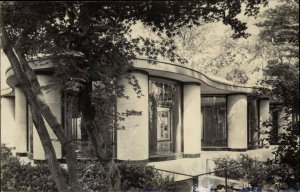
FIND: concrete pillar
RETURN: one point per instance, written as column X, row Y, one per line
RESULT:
column 133, row 141
column 21, row 122
column 264, row 115
column 177, row 122
column 237, row 121
column 38, row 151
column 253, row 121
column 8, row 128
column 192, row 122
column 53, row 99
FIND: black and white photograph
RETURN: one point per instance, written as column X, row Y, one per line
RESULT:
column 150, row 96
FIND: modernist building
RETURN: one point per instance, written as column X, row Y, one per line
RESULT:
column 185, row 119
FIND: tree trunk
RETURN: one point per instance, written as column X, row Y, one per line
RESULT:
column 32, row 90
column 94, row 132
column 54, row 166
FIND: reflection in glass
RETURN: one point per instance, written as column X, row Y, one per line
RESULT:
column 214, row 121
column 164, row 117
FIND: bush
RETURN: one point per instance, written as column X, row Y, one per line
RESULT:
column 140, row 177
column 125, row 176
column 93, row 176
column 257, row 173
column 16, row 176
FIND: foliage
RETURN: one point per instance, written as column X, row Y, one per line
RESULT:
column 139, row 177
column 281, row 24
column 282, row 73
column 259, row 174
column 255, row 172
column 17, row 176
column 209, row 48
column 241, row 60
column 99, row 34
column 96, row 36
column 93, row 176
column 281, row 31
column 287, row 152
column 125, row 176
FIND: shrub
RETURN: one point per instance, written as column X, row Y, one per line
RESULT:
column 93, row 176
column 16, row 176
column 125, row 176
column 255, row 172
column 140, row 177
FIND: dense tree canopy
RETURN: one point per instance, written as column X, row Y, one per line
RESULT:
column 280, row 29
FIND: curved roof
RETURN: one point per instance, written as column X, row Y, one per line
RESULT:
column 209, row 84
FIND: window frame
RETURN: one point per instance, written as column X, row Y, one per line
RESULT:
column 253, row 144
column 180, row 85
column 215, row 148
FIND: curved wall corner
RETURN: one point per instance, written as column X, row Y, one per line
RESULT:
column 237, row 122
column 133, row 141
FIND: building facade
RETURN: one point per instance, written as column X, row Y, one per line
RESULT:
column 185, row 118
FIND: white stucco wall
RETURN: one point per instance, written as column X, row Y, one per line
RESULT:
column 192, row 122
column 264, row 115
column 133, row 141
column 7, row 106
column 53, row 99
column 8, row 126
column 237, row 121
column 4, row 66
column 21, row 121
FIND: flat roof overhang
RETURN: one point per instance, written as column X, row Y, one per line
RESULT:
column 209, row 85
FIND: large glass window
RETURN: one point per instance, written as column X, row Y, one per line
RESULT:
column 213, row 110
column 164, row 117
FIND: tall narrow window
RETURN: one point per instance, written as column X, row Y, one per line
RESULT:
column 74, row 127
column 29, row 130
column 214, row 121
column 164, row 117
column 275, row 125
column 253, row 122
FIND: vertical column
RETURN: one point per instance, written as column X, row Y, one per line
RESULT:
column 192, row 119
column 53, row 99
column 264, row 114
column 177, row 122
column 133, row 141
column 254, row 122
column 38, row 151
column 21, row 122
column 8, row 126
column 237, row 121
